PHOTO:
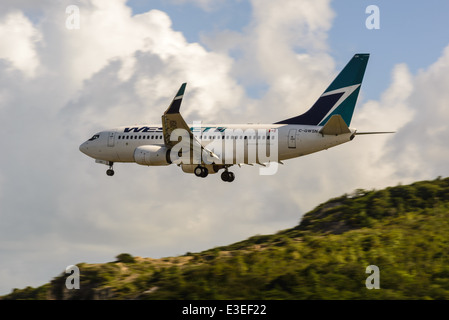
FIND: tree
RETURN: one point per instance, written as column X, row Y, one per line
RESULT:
column 125, row 258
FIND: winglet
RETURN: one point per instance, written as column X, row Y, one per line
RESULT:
column 172, row 119
column 176, row 103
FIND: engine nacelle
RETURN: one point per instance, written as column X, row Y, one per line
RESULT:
column 152, row 156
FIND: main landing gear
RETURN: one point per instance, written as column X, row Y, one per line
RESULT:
column 201, row 172
column 227, row 176
column 110, row 172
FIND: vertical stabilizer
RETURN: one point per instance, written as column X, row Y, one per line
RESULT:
column 339, row 98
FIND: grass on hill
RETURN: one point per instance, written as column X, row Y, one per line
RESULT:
column 404, row 230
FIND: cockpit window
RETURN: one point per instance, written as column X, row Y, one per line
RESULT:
column 94, row 137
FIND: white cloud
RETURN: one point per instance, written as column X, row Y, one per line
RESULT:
column 283, row 48
column 115, row 69
column 421, row 145
column 18, row 39
column 392, row 111
column 58, row 208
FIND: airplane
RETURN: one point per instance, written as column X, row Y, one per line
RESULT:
column 204, row 149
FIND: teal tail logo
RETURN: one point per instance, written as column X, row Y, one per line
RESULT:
column 339, row 98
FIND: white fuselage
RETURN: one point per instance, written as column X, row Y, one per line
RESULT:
column 290, row 141
column 202, row 149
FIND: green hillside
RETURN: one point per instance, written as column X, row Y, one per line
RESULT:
column 404, row 230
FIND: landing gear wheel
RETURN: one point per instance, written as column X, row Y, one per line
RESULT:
column 201, row 172
column 227, row 176
column 110, row 172
column 198, row 171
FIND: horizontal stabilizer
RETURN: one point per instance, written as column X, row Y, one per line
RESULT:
column 335, row 126
column 374, row 132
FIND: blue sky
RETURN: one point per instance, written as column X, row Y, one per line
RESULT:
column 193, row 20
column 410, row 31
column 244, row 61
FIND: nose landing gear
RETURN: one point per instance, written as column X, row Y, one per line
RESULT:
column 110, row 172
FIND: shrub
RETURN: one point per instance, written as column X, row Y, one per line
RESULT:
column 125, row 258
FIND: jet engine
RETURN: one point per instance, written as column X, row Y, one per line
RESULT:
column 152, row 156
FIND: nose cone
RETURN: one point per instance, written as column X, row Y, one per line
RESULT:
column 84, row 148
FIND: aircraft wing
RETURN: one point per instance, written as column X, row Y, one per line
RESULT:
column 172, row 119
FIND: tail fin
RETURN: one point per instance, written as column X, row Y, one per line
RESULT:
column 339, row 98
